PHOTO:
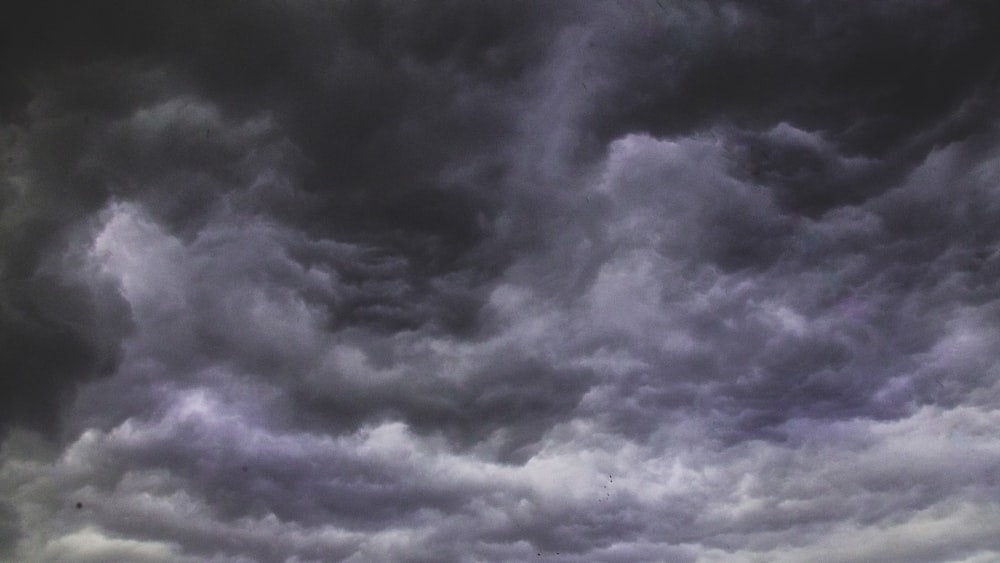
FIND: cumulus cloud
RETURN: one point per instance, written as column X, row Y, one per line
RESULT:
column 338, row 281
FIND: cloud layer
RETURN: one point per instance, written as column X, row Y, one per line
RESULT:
column 620, row 281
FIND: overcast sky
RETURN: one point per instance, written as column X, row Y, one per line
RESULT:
column 627, row 281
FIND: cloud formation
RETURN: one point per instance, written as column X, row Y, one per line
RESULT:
column 618, row 281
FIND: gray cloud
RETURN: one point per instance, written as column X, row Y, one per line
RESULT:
column 338, row 281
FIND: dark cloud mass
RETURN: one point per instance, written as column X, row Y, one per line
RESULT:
column 637, row 280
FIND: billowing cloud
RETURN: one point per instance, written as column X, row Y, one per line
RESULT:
column 345, row 281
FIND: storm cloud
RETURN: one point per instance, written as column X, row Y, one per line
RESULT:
column 498, row 281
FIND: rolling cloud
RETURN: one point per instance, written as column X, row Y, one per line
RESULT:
column 499, row 281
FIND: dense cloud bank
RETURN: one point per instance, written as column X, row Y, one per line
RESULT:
column 499, row 281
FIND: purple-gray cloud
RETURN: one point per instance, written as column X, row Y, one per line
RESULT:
column 618, row 281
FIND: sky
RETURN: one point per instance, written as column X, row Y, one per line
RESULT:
column 626, row 281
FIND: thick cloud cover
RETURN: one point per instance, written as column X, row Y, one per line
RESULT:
column 494, row 281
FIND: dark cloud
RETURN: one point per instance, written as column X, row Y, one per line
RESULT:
column 158, row 104
column 885, row 82
column 375, row 281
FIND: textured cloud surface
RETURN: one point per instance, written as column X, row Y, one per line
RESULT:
column 489, row 281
